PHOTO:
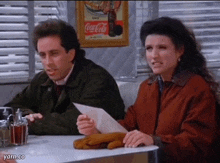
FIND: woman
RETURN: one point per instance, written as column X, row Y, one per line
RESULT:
column 175, row 108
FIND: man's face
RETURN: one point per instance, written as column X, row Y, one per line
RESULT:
column 56, row 61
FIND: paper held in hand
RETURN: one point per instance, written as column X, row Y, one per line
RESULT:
column 105, row 123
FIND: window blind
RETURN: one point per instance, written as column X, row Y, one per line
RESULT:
column 203, row 17
column 15, row 29
column 13, row 40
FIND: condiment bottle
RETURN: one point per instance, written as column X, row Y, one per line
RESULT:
column 19, row 129
column 111, row 20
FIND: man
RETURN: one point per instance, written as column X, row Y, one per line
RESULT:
column 52, row 112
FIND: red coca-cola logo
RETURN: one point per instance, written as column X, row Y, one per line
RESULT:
column 96, row 28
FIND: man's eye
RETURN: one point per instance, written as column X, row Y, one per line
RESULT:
column 42, row 55
column 54, row 53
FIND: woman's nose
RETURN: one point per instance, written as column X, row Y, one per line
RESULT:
column 155, row 53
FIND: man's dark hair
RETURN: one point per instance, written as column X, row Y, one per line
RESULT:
column 62, row 29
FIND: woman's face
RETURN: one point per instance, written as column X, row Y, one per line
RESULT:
column 162, row 56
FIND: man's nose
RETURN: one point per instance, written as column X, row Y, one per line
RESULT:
column 48, row 60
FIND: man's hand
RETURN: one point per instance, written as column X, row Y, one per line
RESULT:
column 86, row 125
column 32, row 117
column 135, row 138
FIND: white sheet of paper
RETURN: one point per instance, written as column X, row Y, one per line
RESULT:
column 105, row 123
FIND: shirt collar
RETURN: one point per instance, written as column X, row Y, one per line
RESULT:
column 63, row 81
column 49, row 82
column 179, row 79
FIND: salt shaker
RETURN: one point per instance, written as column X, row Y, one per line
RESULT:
column 5, row 119
column 4, row 133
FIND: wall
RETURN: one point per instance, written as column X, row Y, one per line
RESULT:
column 7, row 92
column 119, row 61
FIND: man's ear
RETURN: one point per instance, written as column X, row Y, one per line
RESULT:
column 72, row 54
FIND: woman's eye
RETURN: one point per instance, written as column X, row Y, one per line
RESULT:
column 163, row 47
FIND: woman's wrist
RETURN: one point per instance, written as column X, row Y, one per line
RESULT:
column 95, row 131
column 157, row 141
column 152, row 140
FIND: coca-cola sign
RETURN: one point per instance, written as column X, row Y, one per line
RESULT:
column 102, row 23
column 97, row 27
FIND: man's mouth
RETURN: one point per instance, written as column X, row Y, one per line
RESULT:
column 51, row 71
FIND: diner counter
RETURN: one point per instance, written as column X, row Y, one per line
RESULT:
column 53, row 149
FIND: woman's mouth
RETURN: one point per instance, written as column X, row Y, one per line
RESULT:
column 156, row 64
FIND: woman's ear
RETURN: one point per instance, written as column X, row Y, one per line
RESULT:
column 180, row 51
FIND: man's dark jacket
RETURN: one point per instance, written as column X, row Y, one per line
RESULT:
column 88, row 84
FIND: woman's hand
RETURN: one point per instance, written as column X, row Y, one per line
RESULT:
column 86, row 125
column 135, row 138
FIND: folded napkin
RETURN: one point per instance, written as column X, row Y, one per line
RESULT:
column 99, row 141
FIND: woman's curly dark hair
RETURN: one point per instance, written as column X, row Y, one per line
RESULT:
column 192, row 60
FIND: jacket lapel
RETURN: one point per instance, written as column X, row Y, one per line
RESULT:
column 154, row 105
column 61, row 98
column 48, row 100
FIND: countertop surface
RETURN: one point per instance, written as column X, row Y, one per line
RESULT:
column 54, row 149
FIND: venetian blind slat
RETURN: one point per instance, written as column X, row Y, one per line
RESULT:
column 46, row 10
column 17, row 76
column 13, row 27
column 13, row 18
column 38, row 66
column 40, row 18
column 12, row 35
column 13, row 3
column 13, row 43
column 15, row 50
column 46, row 3
column 14, row 58
column 13, row 67
column 13, row 10
column 13, row 76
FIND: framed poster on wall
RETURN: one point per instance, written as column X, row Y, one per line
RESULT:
column 102, row 23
